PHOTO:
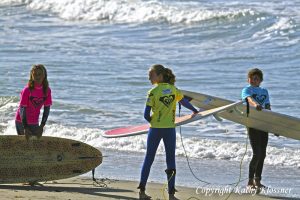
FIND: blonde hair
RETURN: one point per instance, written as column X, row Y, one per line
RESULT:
column 167, row 74
column 45, row 81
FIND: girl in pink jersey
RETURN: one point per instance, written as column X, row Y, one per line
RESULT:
column 33, row 97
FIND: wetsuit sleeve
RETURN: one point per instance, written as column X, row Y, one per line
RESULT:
column 23, row 116
column 267, row 103
column 188, row 105
column 268, row 98
column 149, row 104
column 147, row 113
column 45, row 115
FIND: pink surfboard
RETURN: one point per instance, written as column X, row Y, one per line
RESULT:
column 142, row 129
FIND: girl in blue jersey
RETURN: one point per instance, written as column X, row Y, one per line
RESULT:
column 259, row 98
column 162, row 100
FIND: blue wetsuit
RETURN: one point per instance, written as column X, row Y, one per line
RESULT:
column 155, row 135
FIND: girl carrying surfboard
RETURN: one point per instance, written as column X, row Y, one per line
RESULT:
column 33, row 97
column 162, row 100
column 259, row 98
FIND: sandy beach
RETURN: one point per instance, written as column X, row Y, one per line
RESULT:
column 80, row 188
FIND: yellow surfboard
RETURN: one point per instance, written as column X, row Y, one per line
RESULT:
column 44, row 159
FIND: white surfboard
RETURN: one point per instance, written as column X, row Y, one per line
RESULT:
column 142, row 129
column 264, row 120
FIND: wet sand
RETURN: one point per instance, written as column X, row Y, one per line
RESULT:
column 80, row 188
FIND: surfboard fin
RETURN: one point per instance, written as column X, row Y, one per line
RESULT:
column 217, row 117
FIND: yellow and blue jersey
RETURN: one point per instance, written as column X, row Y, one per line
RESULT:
column 162, row 99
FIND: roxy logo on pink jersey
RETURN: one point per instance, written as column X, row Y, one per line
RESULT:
column 37, row 101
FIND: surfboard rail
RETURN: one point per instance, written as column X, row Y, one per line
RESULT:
column 44, row 159
column 142, row 129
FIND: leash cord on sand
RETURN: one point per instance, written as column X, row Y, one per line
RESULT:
column 97, row 182
column 185, row 152
column 246, row 148
column 188, row 160
column 207, row 183
column 241, row 164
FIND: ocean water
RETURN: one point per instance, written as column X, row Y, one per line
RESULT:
column 98, row 53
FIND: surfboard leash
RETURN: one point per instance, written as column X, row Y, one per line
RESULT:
column 98, row 183
column 246, row 149
column 165, row 185
column 164, row 188
column 187, row 158
column 207, row 183
column 185, row 152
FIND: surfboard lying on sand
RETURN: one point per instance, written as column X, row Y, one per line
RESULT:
column 142, row 129
column 264, row 120
column 44, row 159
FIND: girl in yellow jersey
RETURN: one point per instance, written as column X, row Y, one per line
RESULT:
column 162, row 100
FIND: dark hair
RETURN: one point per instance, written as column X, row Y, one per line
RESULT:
column 168, row 76
column 45, row 81
column 256, row 71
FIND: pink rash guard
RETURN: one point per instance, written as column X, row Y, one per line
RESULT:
column 33, row 101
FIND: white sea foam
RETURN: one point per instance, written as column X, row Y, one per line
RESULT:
column 283, row 27
column 196, row 147
column 131, row 11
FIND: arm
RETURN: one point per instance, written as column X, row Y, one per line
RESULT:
column 147, row 113
column 253, row 103
column 23, row 116
column 24, row 101
column 268, row 104
column 188, row 105
column 47, row 104
column 44, row 120
column 45, row 115
column 27, row 131
column 247, row 95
